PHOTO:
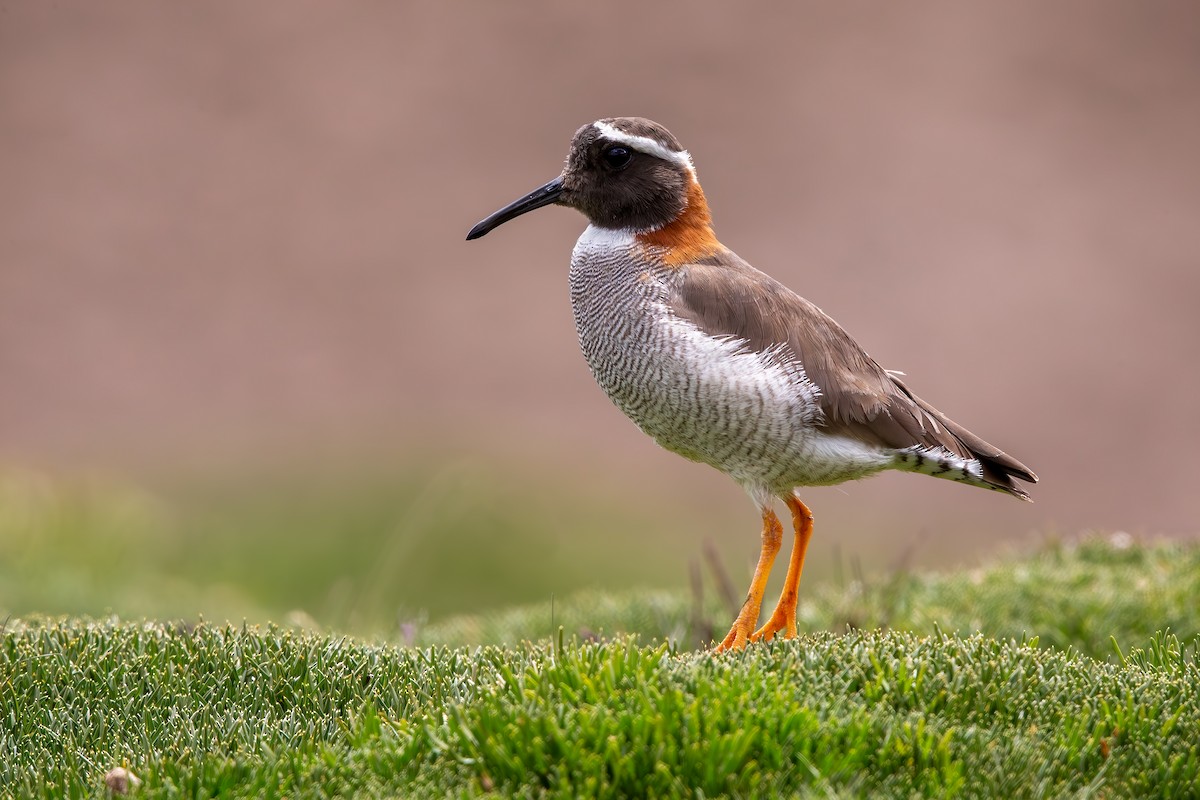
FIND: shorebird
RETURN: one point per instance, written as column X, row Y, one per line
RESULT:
column 724, row 365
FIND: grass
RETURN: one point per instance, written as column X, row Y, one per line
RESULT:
column 1097, row 705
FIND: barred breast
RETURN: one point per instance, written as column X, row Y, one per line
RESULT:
column 753, row 415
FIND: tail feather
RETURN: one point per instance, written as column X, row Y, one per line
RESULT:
column 999, row 470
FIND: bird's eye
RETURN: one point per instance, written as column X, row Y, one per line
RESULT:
column 618, row 157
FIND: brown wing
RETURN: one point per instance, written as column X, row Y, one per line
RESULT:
column 725, row 296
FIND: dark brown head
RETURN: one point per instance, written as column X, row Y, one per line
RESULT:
column 625, row 173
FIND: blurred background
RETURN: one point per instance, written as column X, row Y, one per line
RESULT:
column 249, row 367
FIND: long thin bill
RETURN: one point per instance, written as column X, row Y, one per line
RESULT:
column 542, row 196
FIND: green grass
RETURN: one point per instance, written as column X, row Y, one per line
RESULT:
column 271, row 713
column 1096, row 706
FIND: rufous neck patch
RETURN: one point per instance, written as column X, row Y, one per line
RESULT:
column 689, row 237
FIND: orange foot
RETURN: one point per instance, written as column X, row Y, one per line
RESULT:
column 734, row 640
column 782, row 619
column 739, row 634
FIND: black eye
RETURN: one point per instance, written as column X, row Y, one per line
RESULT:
column 618, row 157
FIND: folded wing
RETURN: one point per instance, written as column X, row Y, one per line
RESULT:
column 725, row 296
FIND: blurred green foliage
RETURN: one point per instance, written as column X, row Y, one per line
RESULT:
column 370, row 554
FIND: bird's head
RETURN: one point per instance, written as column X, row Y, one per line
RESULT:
column 622, row 173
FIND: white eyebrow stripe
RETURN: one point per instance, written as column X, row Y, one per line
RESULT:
column 644, row 144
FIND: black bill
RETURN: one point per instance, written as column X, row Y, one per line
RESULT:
column 541, row 196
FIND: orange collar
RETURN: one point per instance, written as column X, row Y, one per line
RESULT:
column 689, row 237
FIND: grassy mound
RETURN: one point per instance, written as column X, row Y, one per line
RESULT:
column 200, row 710
column 271, row 713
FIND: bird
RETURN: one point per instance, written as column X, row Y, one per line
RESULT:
column 724, row 365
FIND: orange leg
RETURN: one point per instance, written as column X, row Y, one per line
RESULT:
column 772, row 537
column 784, row 616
